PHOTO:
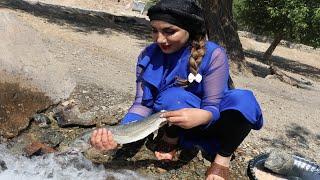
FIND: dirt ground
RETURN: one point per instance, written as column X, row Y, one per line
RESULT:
column 106, row 56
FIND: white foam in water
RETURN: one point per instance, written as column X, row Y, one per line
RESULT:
column 57, row 167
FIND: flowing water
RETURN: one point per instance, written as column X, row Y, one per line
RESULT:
column 72, row 165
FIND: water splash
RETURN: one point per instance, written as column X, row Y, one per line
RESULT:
column 63, row 166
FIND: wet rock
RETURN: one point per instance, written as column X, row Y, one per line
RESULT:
column 50, row 175
column 42, row 120
column 73, row 159
column 71, row 115
column 97, row 156
column 18, row 104
column 2, row 140
column 51, row 137
column 17, row 144
column 108, row 105
column 3, row 166
column 37, row 148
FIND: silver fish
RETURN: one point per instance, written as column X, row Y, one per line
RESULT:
column 291, row 166
column 126, row 133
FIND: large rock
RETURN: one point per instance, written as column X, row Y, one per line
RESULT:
column 17, row 104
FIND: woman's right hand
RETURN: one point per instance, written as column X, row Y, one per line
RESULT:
column 102, row 140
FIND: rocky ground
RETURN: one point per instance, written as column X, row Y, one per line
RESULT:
column 92, row 65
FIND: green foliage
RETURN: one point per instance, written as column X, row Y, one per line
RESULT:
column 150, row 3
column 296, row 20
column 153, row 1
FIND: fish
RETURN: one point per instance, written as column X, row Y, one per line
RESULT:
column 126, row 133
column 292, row 166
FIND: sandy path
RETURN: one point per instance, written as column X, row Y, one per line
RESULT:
column 25, row 56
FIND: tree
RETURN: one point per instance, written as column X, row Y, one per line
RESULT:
column 222, row 29
column 296, row 20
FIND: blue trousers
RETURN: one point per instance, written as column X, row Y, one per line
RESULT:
column 222, row 136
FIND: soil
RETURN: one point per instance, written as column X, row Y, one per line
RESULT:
column 95, row 64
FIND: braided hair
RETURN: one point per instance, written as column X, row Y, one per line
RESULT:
column 198, row 50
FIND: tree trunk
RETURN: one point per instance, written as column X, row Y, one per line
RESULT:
column 221, row 28
column 277, row 72
column 272, row 47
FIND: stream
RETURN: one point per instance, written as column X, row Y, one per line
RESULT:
column 56, row 166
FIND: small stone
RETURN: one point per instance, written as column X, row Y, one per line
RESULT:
column 247, row 158
column 50, row 175
column 37, row 148
column 161, row 170
column 3, row 166
column 206, row 163
column 97, row 156
column 52, row 138
column 240, row 151
column 103, row 107
column 255, row 151
column 42, row 120
column 66, row 103
column 270, row 77
column 8, row 134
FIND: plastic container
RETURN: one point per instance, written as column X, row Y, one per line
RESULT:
column 303, row 169
column 138, row 6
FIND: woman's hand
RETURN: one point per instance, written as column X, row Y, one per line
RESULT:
column 102, row 140
column 188, row 117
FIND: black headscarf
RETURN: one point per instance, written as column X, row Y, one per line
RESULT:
column 186, row 14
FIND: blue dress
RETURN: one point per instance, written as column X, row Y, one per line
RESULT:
column 161, row 92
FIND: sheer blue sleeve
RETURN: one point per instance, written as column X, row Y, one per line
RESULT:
column 215, row 83
column 137, row 111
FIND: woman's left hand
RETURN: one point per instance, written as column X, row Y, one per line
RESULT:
column 188, row 117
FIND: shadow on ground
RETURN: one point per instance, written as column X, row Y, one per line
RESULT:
column 277, row 143
column 299, row 134
column 258, row 70
column 123, row 157
column 84, row 20
column 283, row 63
column 295, row 136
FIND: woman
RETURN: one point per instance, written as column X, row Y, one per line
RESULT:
column 188, row 76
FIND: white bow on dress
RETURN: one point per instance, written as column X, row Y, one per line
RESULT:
column 191, row 78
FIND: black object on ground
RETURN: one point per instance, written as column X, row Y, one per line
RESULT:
column 302, row 168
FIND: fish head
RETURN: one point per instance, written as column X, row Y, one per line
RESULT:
column 163, row 122
column 279, row 162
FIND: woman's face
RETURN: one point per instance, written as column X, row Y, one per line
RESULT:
column 169, row 37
